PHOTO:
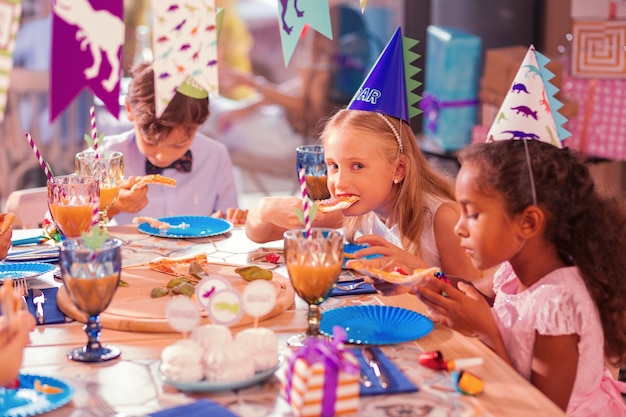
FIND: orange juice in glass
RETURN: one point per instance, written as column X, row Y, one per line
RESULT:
column 108, row 169
column 311, row 159
column 314, row 264
column 91, row 276
column 70, row 200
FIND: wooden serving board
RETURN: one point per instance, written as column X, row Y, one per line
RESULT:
column 132, row 309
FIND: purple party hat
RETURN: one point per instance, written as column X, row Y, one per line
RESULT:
column 388, row 88
column 529, row 110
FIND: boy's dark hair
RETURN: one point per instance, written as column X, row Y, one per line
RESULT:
column 182, row 111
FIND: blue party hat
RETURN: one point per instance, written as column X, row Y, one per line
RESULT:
column 388, row 88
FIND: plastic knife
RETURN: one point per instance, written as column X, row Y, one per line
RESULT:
column 38, row 300
column 370, row 358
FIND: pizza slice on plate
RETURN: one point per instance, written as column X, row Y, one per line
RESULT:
column 178, row 266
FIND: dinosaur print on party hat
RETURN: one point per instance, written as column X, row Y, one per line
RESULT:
column 529, row 110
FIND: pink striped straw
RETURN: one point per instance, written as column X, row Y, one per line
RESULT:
column 305, row 203
column 95, row 211
column 44, row 164
column 94, row 131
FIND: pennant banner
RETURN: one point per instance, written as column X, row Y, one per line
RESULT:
column 185, row 47
column 87, row 39
column 294, row 15
column 10, row 11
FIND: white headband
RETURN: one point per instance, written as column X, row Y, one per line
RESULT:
column 395, row 132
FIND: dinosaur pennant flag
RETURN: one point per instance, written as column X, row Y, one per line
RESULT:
column 293, row 15
column 87, row 39
column 184, row 42
column 10, row 11
column 529, row 110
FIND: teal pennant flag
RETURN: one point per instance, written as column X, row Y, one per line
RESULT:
column 293, row 15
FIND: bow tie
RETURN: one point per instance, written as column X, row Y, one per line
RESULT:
column 181, row 165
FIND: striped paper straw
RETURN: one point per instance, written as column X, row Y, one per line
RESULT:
column 44, row 164
column 305, row 203
column 95, row 211
column 94, row 131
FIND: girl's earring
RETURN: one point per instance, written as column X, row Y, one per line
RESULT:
column 395, row 181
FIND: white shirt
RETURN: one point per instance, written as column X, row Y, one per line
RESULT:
column 208, row 187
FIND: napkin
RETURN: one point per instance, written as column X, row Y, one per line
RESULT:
column 398, row 382
column 51, row 313
column 362, row 289
column 200, row 408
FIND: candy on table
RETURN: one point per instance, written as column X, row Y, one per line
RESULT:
column 434, row 360
column 464, row 381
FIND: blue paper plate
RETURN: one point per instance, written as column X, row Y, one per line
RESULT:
column 376, row 325
column 27, row 401
column 350, row 248
column 190, row 226
column 23, row 269
column 209, row 386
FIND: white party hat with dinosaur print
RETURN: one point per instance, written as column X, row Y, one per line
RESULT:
column 529, row 110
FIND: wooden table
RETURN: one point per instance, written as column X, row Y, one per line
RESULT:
column 133, row 386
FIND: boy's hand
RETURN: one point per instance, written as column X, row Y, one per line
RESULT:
column 236, row 216
column 133, row 196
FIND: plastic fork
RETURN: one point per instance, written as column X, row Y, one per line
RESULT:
column 104, row 406
column 21, row 288
column 350, row 287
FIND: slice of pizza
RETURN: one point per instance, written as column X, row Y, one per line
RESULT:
column 6, row 220
column 179, row 266
column 156, row 179
column 152, row 221
column 340, row 202
column 395, row 276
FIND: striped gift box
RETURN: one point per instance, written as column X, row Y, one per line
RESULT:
column 305, row 388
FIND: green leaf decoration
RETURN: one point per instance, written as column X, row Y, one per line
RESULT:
column 49, row 169
column 95, row 238
column 410, row 70
column 100, row 140
column 89, row 140
column 312, row 213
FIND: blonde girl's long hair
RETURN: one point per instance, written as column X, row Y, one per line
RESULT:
column 421, row 180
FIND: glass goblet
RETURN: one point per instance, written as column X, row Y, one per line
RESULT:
column 91, row 278
column 311, row 158
column 313, row 264
column 70, row 201
column 108, row 169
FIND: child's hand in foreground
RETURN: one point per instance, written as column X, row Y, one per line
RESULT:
column 236, row 216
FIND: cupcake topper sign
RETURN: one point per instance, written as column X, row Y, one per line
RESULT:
column 259, row 299
column 182, row 314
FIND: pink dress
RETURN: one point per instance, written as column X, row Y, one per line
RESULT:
column 558, row 304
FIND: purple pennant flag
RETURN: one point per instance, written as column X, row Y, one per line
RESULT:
column 87, row 39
